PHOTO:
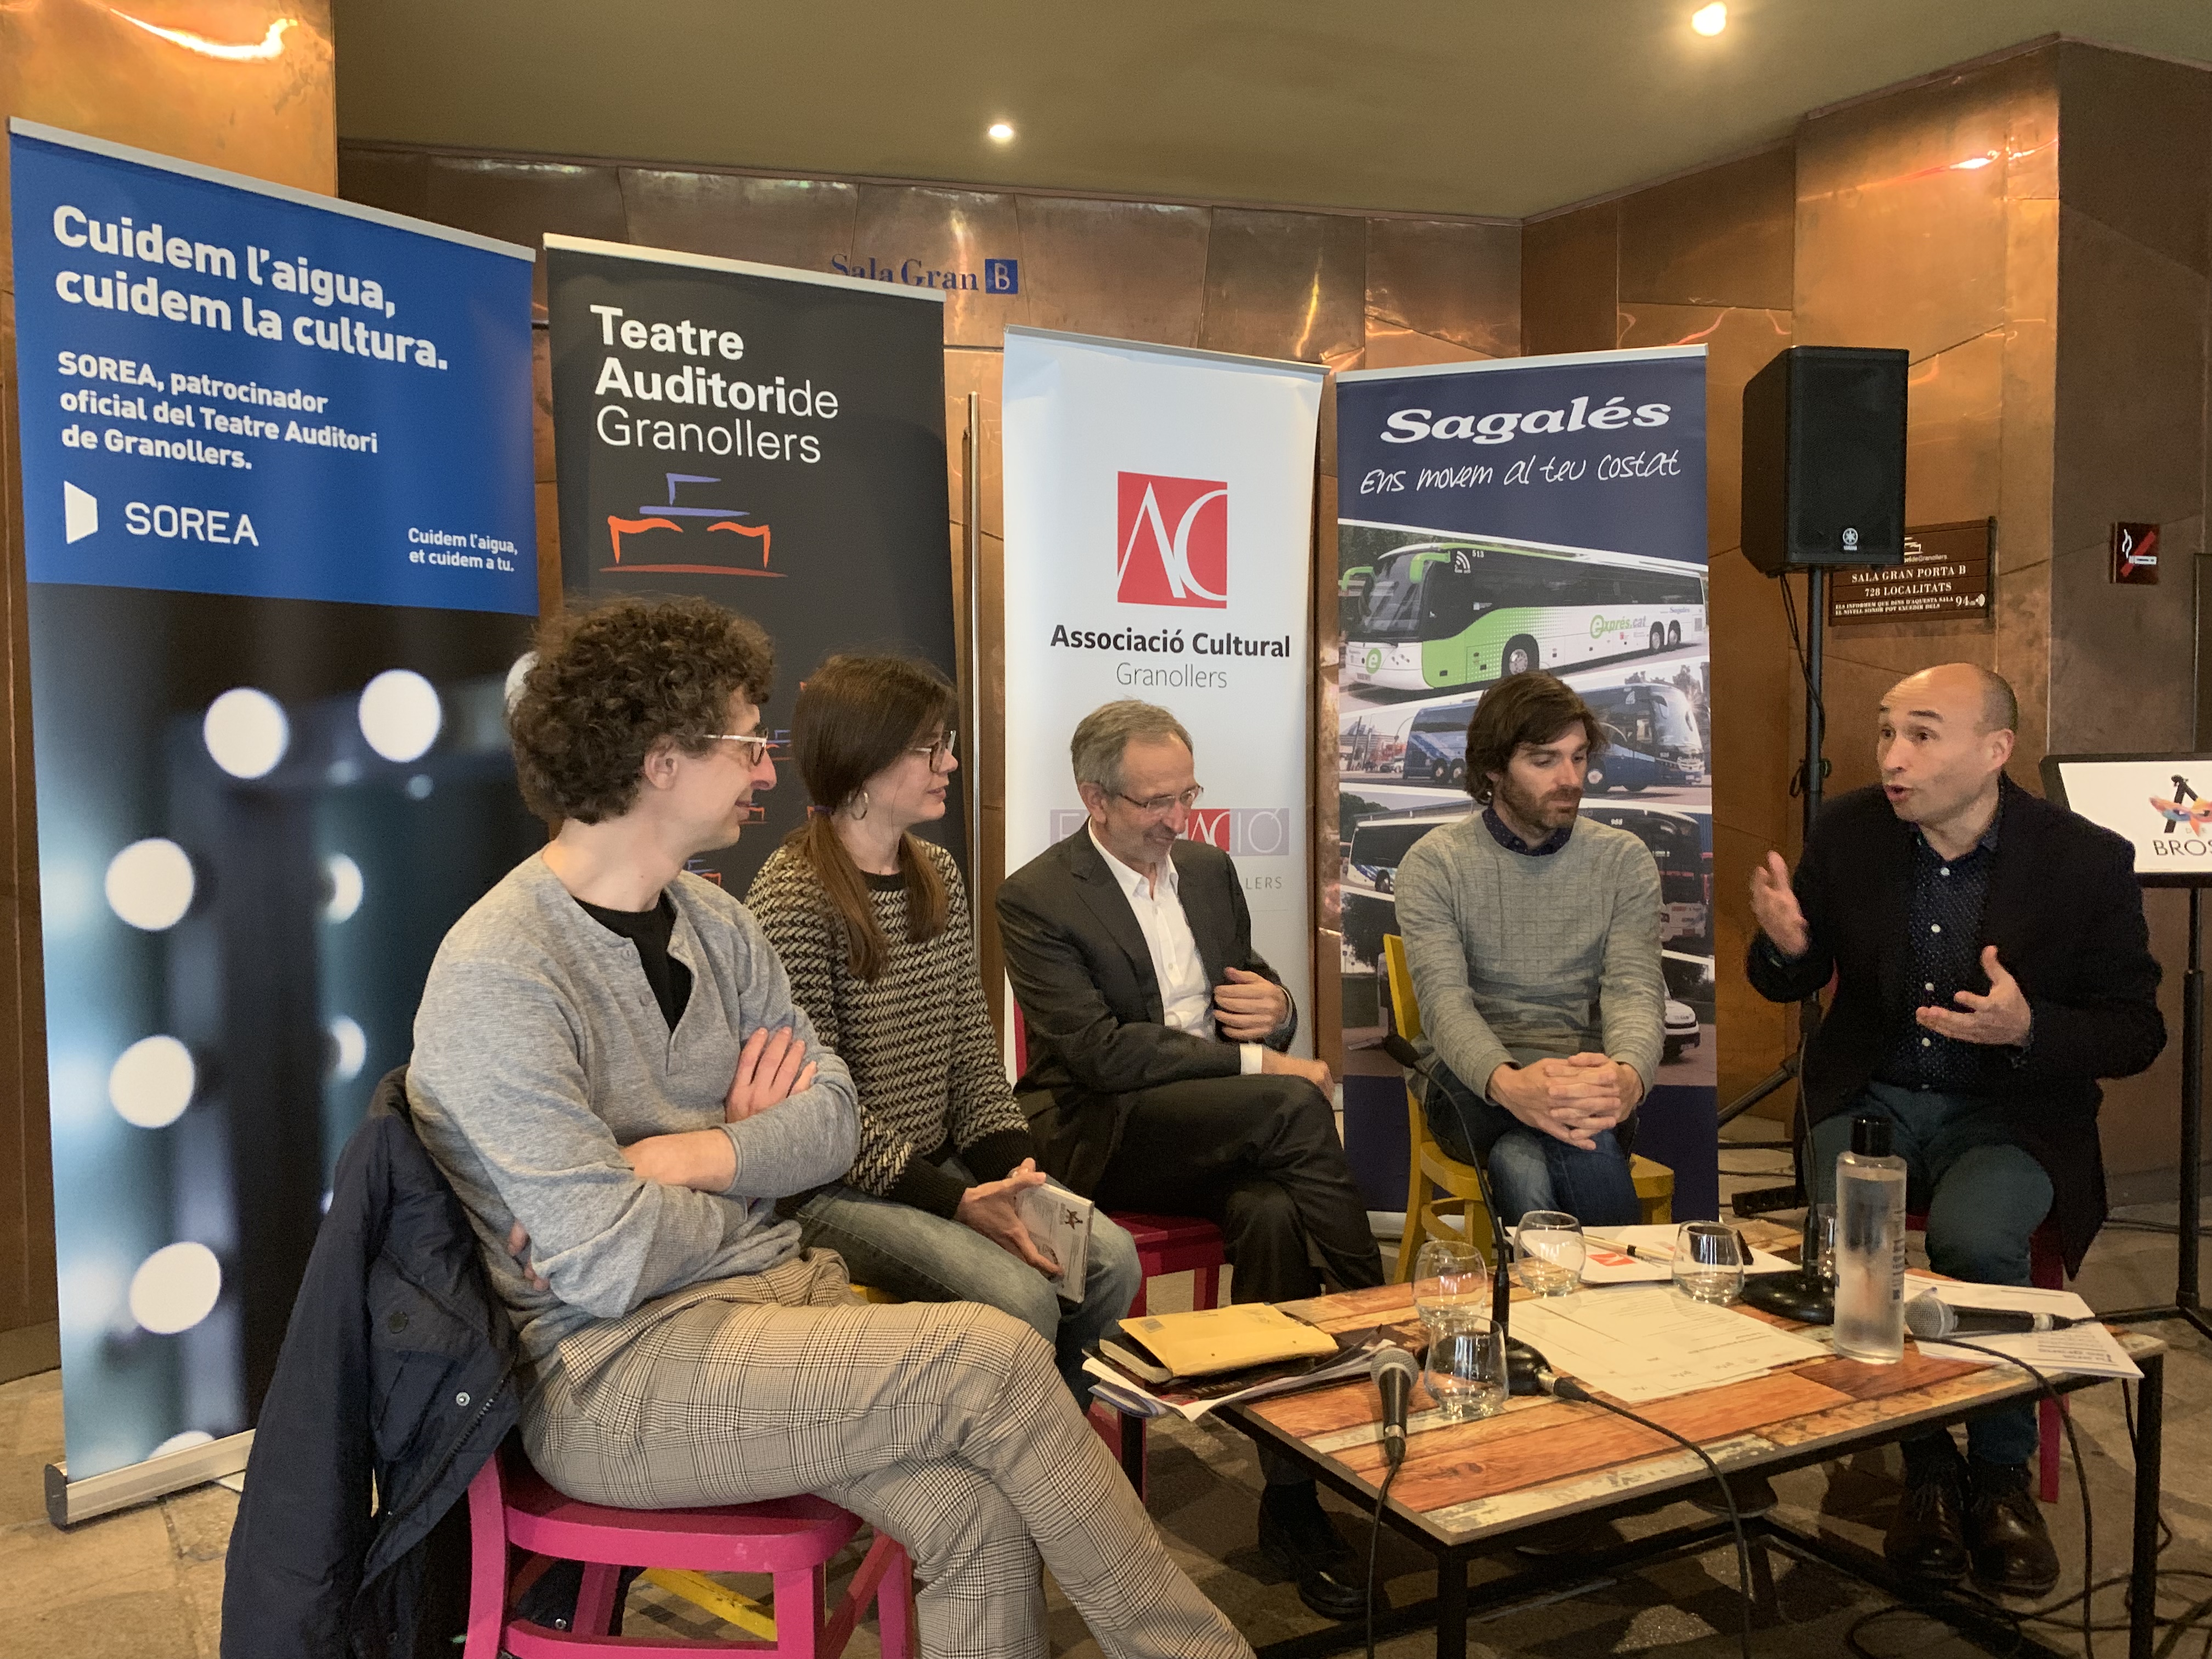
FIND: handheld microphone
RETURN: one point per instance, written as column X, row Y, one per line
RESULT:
column 1394, row 1371
column 1522, row 1361
column 1931, row 1319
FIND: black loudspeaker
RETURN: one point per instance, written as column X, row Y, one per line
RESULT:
column 1824, row 459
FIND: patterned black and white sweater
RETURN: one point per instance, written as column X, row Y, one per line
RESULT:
column 917, row 1038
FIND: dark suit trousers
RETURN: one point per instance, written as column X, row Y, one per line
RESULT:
column 1258, row 1156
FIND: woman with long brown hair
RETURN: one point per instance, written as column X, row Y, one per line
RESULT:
column 872, row 923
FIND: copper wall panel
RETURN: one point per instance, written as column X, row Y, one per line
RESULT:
column 771, row 222
column 1130, row 271
column 1952, row 450
column 1456, row 284
column 1389, row 346
column 1287, row 285
column 2129, row 161
column 2121, row 666
column 519, row 201
column 90, row 68
column 916, row 230
column 396, row 181
column 1722, row 237
column 970, row 369
column 1570, row 282
column 1901, row 216
column 2131, row 365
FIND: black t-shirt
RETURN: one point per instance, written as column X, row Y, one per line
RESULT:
column 650, row 932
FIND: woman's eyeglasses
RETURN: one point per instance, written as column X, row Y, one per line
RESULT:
column 937, row 751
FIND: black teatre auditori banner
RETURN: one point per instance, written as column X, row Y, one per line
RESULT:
column 773, row 440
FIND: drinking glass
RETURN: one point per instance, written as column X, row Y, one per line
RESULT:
column 1550, row 1253
column 1451, row 1283
column 1816, row 1251
column 1709, row 1261
column 1466, row 1369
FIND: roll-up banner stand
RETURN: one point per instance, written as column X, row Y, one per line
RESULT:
column 280, row 542
column 1533, row 512
column 773, row 440
column 1159, row 539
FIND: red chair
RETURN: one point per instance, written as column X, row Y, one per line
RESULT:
column 512, row 1507
column 2046, row 1271
column 1165, row 1243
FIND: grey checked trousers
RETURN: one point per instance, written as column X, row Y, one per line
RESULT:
column 944, row 1424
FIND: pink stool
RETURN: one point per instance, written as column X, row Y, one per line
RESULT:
column 510, row 1506
column 1174, row 1244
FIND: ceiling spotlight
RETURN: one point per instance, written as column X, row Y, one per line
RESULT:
column 1972, row 163
column 1710, row 20
column 1000, row 132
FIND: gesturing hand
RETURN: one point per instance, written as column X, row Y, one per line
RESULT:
column 772, row 1067
column 1249, row 1007
column 1774, row 902
column 518, row 1246
column 2000, row 1019
column 989, row 1208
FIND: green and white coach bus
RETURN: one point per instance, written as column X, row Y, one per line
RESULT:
column 1442, row 611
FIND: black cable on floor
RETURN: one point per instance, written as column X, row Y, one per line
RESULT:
column 1374, row 1541
column 1735, row 1517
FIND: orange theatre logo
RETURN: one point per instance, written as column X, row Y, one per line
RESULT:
column 1173, row 541
column 697, row 559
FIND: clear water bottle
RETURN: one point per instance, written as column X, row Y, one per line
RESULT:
column 1870, row 1246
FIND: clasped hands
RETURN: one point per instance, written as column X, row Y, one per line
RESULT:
column 1251, row 1008
column 1574, row 1100
column 2000, row 1019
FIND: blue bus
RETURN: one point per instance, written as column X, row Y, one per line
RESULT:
column 1651, row 738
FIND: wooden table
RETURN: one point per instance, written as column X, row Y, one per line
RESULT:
column 1467, row 1487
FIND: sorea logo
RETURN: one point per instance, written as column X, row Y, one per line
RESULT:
column 1172, row 540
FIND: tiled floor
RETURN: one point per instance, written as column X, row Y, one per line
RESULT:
column 147, row 1584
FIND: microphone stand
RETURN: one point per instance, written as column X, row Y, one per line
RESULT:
column 1807, row 1296
column 1522, row 1363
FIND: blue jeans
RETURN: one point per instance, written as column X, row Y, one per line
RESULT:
column 922, row 1257
column 1529, row 1168
column 1984, row 1196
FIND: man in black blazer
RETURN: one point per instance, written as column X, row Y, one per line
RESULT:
column 1159, row 1075
column 1991, row 963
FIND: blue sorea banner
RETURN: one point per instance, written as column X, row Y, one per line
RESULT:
column 280, row 540
column 242, row 390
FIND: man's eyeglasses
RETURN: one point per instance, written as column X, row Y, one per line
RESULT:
column 937, row 751
column 755, row 747
column 1160, row 805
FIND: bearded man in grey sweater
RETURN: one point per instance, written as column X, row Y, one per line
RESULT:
column 1533, row 937
column 609, row 1068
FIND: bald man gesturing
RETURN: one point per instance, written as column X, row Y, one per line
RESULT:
column 1992, row 964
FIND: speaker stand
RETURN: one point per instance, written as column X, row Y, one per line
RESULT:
column 1761, row 1200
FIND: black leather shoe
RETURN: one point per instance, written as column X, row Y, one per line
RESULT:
column 2005, row 1536
column 1926, row 1538
column 1298, row 1537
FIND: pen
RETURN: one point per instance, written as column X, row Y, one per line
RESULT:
column 1640, row 1252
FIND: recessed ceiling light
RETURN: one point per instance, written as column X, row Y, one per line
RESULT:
column 1000, row 132
column 1972, row 163
column 1710, row 20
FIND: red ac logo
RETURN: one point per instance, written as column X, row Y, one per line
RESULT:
column 1174, row 541
column 1209, row 824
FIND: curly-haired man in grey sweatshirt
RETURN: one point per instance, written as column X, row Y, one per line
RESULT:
column 609, row 1067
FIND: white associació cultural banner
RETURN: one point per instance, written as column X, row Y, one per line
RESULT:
column 1159, row 545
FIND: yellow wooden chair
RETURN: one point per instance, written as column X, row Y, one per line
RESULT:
column 1429, row 1170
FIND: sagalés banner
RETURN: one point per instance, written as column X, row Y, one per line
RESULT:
column 280, row 537
column 1533, row 513
column 773, row 440
column 1159, row 535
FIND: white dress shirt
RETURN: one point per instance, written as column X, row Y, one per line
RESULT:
column 1186, row 1000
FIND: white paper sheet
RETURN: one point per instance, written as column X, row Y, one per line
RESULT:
column 2082, row 1351
column 1648, row 1343
column 1605, row 1267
